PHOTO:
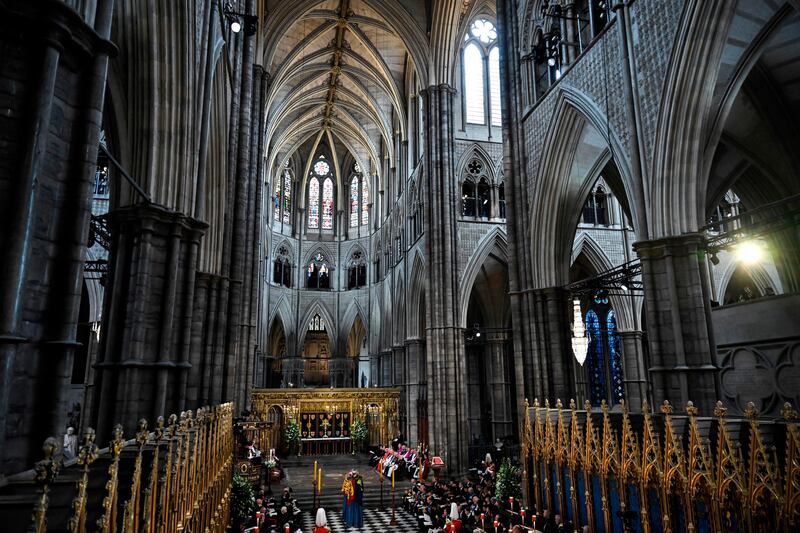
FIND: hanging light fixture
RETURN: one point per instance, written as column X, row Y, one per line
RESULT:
column 580, row 337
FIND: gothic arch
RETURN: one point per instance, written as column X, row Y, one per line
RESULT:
column 416, row 289
column 476, row 151
column 283, row 312
column 318, row 307
column 626, row 306
column 761, row 278
column 353, row 312
column 496, row 243
column 676, row 199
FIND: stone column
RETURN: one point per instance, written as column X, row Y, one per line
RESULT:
column 682, row 355
column 499, row 385
column 415, row 367
column 552, row 347
column 53, row 73
column 143, row 357
column 633, row 368
column 446, row 363
column 400, row 379
column 387, row 371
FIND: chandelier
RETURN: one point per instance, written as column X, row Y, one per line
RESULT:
column 580, row 337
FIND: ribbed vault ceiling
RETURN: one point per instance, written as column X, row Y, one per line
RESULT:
column 337, row 70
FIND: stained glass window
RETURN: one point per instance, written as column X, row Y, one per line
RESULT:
column 313, row 203
column 322, row 168
column 494, row 86
column 278, row 202
column 597, row 373
column 287, row 196
column 474, row 83
column 615, row 358
column 354, row 202
column 483, row 30
column 327, row 203
column 364, row 202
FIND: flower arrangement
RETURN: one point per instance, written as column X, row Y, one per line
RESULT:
column 359, row 432
column 508, row 481
column 243, row 500
column 292, row 435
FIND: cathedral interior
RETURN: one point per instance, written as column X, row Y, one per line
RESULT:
column 494, row 207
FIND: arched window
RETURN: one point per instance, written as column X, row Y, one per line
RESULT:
column 357, row 271
column 359, row 198
column 318, row 273
column 468, row 200
column 313, row 203
column 320, row 203
column 283, row 196
column 316, row 324
column 595, row 209
column 475, row 191
column 282, row 268
column 604, row 356
column 480, row 61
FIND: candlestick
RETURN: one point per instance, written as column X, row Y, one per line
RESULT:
column 483, row 517
column 392, row 479
column 319, row 482
column 315, row 471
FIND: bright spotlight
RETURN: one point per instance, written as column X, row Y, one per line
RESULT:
column 750, row 252
column 236, row 26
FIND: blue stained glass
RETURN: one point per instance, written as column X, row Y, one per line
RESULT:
column 615, row 358
column 597, row 371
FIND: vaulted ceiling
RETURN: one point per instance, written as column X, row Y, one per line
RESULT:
column 338, row 73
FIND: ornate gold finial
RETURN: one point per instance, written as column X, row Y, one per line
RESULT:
column 527, row 405
column 666, row 408
column 536, row 403
column 604, row 406
column 645, row 407
column 558, row 404
column 720, row 410
column 750, row 411
column 623, row 405
column 141, row 432
column 788, row 413
column 691, row 410
column 117, row 442
column 572, row 404
column 47, row 469
column 587, row 406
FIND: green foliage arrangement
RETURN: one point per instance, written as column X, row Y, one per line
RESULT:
column 243, row 500
column 508, row 481
column 292, row 435
column 359, row 432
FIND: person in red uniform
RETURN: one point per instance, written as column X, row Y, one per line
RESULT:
column 321, row 522
column 454, row 522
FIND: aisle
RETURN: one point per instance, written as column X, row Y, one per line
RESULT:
column 374, row 521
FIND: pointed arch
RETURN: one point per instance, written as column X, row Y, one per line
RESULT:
column 416, row 289
column 283, row 312
column 354, row 312
column 302, row 327
column 475, row 150
column 493, row 243
column 575, row 152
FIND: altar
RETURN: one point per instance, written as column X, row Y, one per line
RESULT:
column 325, row 417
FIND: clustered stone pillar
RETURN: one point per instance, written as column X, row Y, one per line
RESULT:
column 682, row 353
column 49, row 151
column 552, row 347
column 499, row 385
column 446, row 375
column 151, row 283
column 415, row 361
